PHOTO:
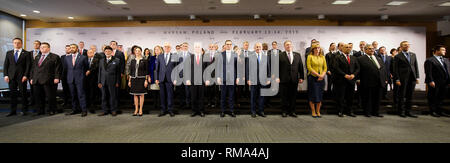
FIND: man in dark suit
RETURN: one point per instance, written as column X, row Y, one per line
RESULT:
column 291, row 74
column 276, row 53
column 164, row 68
column 406, row 76
column 212, row 90
column 81, row 49
column 437, row 79
column 227, row 85
column 183, row 91
column 243, row 91
column 373, row 79
column 329, row 59
column 45, row 77
column 34, row 53
column 16, row 70
column 257, row 60
column 346, row 68
column 108, row 81
column 382, row 54
column 77, row 66
column 360, row 53
column 91, row 88
column 196, row 81
column 65, row 86
column 119, row 54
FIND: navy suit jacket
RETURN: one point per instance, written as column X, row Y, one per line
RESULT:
column 163, row 71
column 76, row 74
column 224, row 67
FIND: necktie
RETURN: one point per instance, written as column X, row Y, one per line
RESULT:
column 348, row 59
column 41, row 60
column 408, row 57
column 167, row 58
column 81, row 51
column 228, row 57
column 198, row 59
column 212, row 56
column 373, row 61
column 289, row 57
column 259, row 58
column 73, row 59
column 36, row 52
column 16, row 56
column 444, row 64
column 90, row 62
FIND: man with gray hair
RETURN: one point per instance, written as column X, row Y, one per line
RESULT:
column 258, row 60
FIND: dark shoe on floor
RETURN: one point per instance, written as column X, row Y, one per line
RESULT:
column 222, row 114
column 444, row 115
column 434, row 114
column 194, row 114
column 340, row 114
column 102, row 114
column 114, row 113
column 378, row 115
column 83, row 114
column 352, row 115
column 293, row 115
column 73, row 113
column 262, row 114
column 284, row 115
column 11, row 114
column 253, row 115
column 202, row 114
column 411, row 115
column 232, row 114
column 171, row 114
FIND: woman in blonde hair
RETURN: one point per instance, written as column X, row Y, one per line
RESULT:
column 154, row 88
column 317, row 68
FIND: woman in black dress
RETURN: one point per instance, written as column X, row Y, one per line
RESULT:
column 138, row 80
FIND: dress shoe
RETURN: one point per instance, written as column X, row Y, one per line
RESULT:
column 83, row 114
column 73, row 113
column 161, row 114
column 222, row 114
column 352, row 115
column 434, row 114
column 194, row 114
column 262, row 114
column 367, row 115
column 341, row 114
column 140, row 115
column 11, row 114
column 92, row 111
column 232, row 114
column 102, row 114
column 444, row 115
column 411, row 115
column 284, row 115
column 253, row 115
column 202, row 114
column 114, row 113
column 402, row 115
column 23, row 113
column 293, row 115
column 51, row 113
column 134, row 114
column 378, row 115
column 319, row 116
column 171, row 114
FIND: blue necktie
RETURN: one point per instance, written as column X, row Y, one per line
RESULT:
column 445, row 66
column 408, row 57
column 16, row 56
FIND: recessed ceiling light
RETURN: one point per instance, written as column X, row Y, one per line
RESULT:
column 286, row 2
column 70, row 17
column 172, row 1
column 36, row 11
column 342, row 2
column 396, row 3
column 229, row 1
column 117, row 2
column 23, row 15
column 446, row 4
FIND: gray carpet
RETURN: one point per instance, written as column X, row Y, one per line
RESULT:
column 213, row 129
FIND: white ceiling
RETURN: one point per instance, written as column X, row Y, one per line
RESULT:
column 101, row 10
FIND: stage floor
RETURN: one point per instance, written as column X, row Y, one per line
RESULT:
column 212, row 129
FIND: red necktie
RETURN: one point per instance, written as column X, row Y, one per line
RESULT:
column 198, row 59
column 41, row 60
column 348, row 59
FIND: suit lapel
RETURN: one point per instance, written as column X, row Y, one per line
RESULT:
column 20, row 57
column 438, row 63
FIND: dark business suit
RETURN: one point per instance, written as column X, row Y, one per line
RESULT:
column 407, row 72
column 227, row 88
column 359, row 54
column 15, row 72
column 289, row 78
column 34, row 54
column 43, row 76
column 197, row 86
column 109, row 77
column 163, row 74
column 344, row 89
column 373, row 80
column 91, row 87
column 75, row 78
column 256, row 99
column 183, row 91
column 83, row 52
column 65, row 86
column 387, row 63
column 437, row 73
column 329, row 57
column 121, row 56
column 212, row 90
column 243, row 91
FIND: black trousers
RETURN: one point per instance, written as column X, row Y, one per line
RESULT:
column 371, row 97
column 288, row 96
column 212, row 94
column 404, row 95
column 66, row 91
column 17, row 88
column 329, row 83
column 344, row 93
column 197, row 95
column 436, row 96
column 92, row 91
column 109, row 98
column 45, row 90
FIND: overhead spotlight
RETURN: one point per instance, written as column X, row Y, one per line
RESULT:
column 192, row 17
column 321, row 16
column 256, row 16
column 384, row 17
column 130, row 18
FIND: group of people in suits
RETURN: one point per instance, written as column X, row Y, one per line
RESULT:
column 203, row 74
